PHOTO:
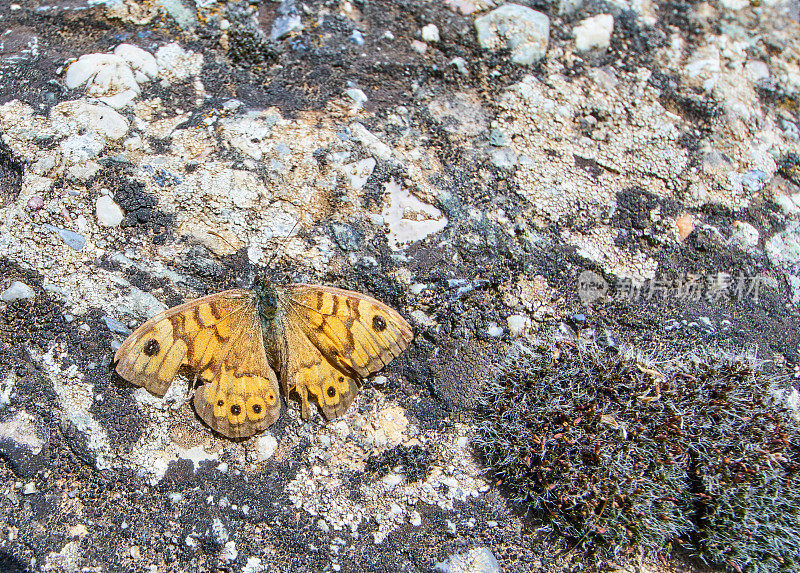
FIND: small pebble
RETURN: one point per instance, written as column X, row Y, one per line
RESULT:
column 72, row 239
column 109, row 214
column 430, row 33
column 357, row 95
column 594, row 33
column 114, row 326
column 495, row 331
column 498, row 138
column 419, row 47
column 744, row 235
column 518, row 323
column 754, row 180
column 229, row 552
column 357, row 38
column 524, row 31
column 685, row 224
column 461, row 65
column 266, row 444
column 17, row 291
column 284, row 26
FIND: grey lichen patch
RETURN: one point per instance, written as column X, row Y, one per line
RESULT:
column 615, row 124
column 599, row 244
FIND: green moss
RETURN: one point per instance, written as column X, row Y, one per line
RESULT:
column 618, row 455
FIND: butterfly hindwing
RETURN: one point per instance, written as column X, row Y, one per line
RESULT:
column 220, row 338
column 335, row 337
column 306, row 371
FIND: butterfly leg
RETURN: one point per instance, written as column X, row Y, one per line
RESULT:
column 192, row 386
column 305, row 410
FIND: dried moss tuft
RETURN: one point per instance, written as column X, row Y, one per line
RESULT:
column 619, row 455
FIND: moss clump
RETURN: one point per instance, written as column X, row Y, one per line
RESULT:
column 621, row 456
column 745, row 457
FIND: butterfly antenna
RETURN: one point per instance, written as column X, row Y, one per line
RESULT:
column 282, row 245
column 224, row 239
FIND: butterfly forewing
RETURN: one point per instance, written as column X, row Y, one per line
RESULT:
column 355, row 331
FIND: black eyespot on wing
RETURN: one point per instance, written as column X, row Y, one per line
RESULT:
column 257, row 408
column 236, row 409
column 378, row 323
column 152, row 347
column 220, row 402
column 331, row 391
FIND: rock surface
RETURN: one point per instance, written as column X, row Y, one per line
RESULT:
column 523, row 31
column 464, row 161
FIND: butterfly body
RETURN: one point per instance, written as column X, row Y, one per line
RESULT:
column 321, row 340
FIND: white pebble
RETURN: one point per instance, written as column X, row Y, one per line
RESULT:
column 430, row 33
column 745, row 235
column 357, row 95
column 229, row 552
column 495, row 331
column 594, row 33
column 17, row 291
column 419, row 47
column 109, row 214
column 461, row 65
column 266, row 445
column 518, row 323
column 524, row 31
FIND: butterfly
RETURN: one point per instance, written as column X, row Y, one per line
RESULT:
column 321, row 340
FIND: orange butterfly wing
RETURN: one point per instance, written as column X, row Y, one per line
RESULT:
column 332, row 339
column 219, row 337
